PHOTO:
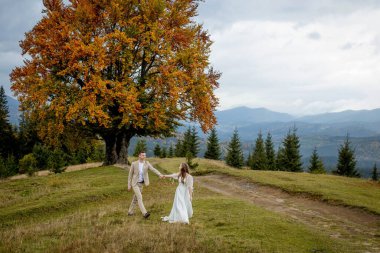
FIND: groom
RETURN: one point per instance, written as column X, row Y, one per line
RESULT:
column 138, row 176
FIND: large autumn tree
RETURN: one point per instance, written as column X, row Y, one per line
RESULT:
column 119, row 68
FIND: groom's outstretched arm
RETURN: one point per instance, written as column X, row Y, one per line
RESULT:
column 154, row 170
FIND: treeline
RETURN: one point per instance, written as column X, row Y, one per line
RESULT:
column 262, row 155
column 22, row 151
column 288, row 156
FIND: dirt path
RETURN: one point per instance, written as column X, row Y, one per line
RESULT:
column 346, row 223
column 70, row 168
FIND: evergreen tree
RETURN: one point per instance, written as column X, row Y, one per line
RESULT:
column 171, row 151
column 189, row 161
column 163, row 152
column 194, row 143
column 41, row 153
column 179, row 149
column 213, row 147
column 292, row 157
column 259, row 158
column 190, row 142
column 8, row 167
column 346, row 161
column 316, row 165
column 270, row 153
column 249, row 160
column 186, row 143
column 280, row 159
column 3, row 168
column 57, row 161
column 234, row 155
column 7, row 138
column 157, row 151
column 375, row 175
column 27, row 136
column 140, row 147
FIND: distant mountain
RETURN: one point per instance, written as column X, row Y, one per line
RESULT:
column 244, row 115
column 366, row 116
column 249, row 121
column 13, row 110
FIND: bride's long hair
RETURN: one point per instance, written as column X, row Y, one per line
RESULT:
column 184, row 170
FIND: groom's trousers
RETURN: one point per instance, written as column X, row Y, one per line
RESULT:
column 137, row 198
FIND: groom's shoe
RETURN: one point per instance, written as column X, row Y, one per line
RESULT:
column 146, row 215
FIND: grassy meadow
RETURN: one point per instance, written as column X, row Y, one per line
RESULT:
column 86, row 211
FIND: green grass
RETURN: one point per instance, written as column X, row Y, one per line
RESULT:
column 354, row 192
column 86, row 211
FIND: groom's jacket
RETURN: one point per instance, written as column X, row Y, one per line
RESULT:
column 134, row 171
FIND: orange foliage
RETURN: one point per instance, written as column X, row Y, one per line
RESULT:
column 117, row 65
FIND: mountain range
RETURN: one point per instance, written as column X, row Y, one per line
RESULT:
column 249, row 121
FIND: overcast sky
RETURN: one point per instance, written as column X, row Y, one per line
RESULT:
column 294, row 56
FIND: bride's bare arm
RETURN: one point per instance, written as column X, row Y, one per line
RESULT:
column 174, row 176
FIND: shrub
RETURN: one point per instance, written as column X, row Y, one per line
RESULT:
column 98, row 153
column 41, row 153
column 28, row 164
column 57, row 161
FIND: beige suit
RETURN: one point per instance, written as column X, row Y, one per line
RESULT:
column 133, row 182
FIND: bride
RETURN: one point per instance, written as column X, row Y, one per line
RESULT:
column 182, row 209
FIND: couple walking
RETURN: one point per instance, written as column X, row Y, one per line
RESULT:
column 182, row 208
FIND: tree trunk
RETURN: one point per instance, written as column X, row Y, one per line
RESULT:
column 122, row 145
column 117, row 148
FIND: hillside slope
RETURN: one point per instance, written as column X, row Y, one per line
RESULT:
column 86, row 211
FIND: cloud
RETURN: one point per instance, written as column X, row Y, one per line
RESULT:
column 314, row 36
column 327, row 63
column 295, row 56
column 16, row 17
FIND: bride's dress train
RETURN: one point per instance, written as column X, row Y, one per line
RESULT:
column 182, row 208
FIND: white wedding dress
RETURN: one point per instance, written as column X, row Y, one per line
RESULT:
column 182, row 208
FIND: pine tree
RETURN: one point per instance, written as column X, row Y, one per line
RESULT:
column 249, row 160
column 179, row 149
column 190, row 142
column 234, row 155
column 163, row 152
column 27, row 136
column 213, row 147
column 186, row 143
column 140, row 147
column 375, row 175
column 194, row 142
column 189, row 161
column 8, row 167
column 259, row 158
column 4, row 110
column 7, row 138
column 346, row 161
column 270, row 153
column 292, row 157
column 280, row 159
column 316, row 165
column 171, row 151
column 157, row 150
